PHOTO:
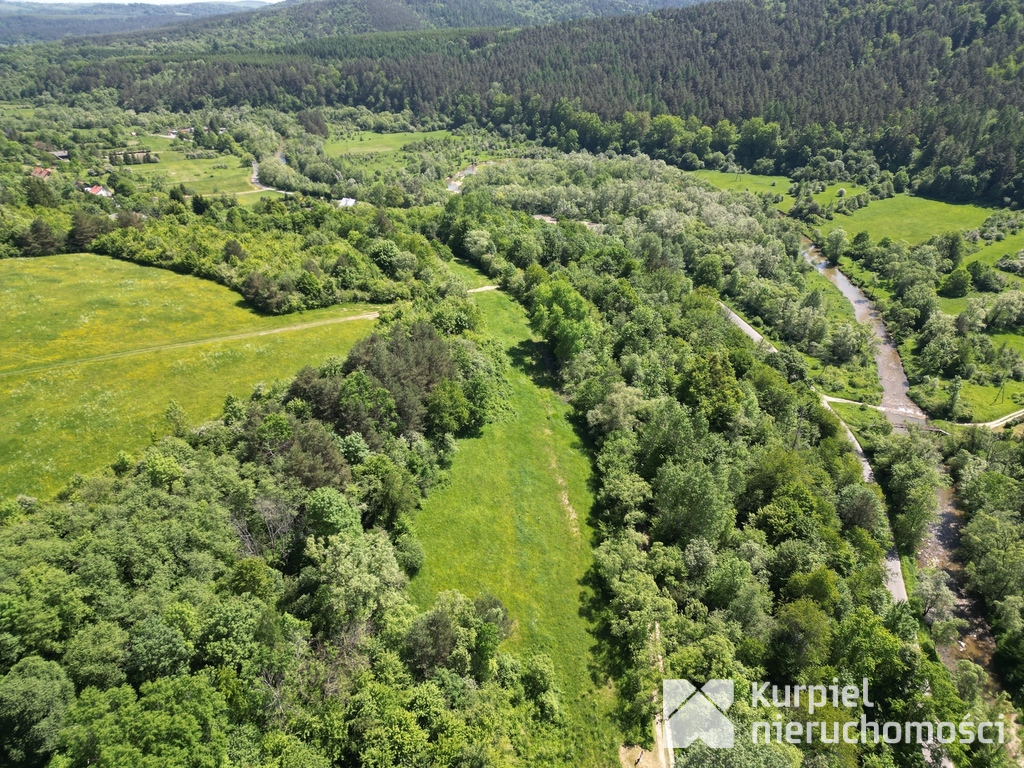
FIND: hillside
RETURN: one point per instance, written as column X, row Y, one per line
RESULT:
column 930, row 88
column 295, row 22
column 26, row 22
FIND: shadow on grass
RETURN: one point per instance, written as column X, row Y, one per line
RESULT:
column 534, row 359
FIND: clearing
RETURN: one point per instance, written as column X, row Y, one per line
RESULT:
column 364, row 142
column 513, row 523
column 159, row 336
column 222, row 175
column 914, row 219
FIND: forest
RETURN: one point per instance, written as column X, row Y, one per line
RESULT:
column 27, row 22
column 816, row 73
column 436, row 392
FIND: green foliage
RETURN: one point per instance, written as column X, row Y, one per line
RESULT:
column 737, row 539
column 211, row 608
column 329, row 512
column 34, row 698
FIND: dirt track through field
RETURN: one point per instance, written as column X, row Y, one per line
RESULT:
column 193, row 343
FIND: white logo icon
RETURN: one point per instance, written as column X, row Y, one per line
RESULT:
column 689, row 715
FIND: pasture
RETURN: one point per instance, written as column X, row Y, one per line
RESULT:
column 365, row 142
column 95, row 349
column 223, row 175
column 513, row 522
column 773, row 185
column 914, row 219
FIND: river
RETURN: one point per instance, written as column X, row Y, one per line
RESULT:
column 939, row 548
column 899, row 409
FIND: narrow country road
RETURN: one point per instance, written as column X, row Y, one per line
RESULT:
column 894, row 582
column 747, row 328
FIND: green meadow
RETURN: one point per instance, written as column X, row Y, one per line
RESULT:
column 94, row 350
column 365, row 142
column 513, row 523
column 774, row 185
column 224, row 175
column 914, row 219
column 473, row 278
column 859, row 417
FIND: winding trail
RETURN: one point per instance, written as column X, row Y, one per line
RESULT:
column 938, row 550
column 940, row 545
column 894, row 581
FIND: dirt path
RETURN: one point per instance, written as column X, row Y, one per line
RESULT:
column 997, row 423
column 747, row 328
column 894, row 582
column 194, row 343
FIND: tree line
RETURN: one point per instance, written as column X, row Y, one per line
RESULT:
column 818, row 73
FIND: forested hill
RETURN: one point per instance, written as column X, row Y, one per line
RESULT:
column 22, row 22
column 931, row 88
column 299, row 21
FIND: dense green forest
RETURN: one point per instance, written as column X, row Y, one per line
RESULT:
column 926, row 92
column 241, row 589
column 302, row 21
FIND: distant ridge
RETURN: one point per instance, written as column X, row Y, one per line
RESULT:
column 295, row 21
column 26, row 22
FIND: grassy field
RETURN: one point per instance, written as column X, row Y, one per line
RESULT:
column 64, row 414
column 858, row 417
column 513, row 523
column 364, row 142
column 776, row 185
column 224, row 175
column 914, row 219
column 903, row 217
column 473, row 278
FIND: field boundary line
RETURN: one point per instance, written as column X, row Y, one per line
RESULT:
column 187, row 344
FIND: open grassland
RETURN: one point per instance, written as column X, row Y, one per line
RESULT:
column 224, row 175
column 473, row 278
column 363, row 142
column 773, row 185
column 903, row 217
column 513, row 523
column 859, row 417
column 64, row 413
column 914, row 219
column 989, row 403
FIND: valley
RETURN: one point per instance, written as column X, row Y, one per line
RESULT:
column 493, row 385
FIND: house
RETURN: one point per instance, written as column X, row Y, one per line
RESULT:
column 346, row 202
column 61, row 154
column 99, row 191
column 41, row 173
